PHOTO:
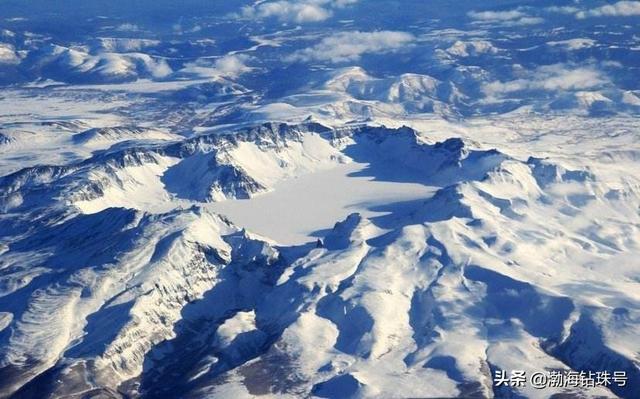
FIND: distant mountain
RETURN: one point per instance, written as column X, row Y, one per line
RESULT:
column 319, row 198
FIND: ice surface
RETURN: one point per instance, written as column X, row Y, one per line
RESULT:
column 299, row 209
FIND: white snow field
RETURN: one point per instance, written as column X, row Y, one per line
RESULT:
column 319, row 199
column 297, row 209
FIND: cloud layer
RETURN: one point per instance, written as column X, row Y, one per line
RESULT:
column 295, row 11
column 232, row 65
column 619, row 9
column 550, row 78
column 350, row 46
column 510, row 17
column 228, row 66
column 496, row 15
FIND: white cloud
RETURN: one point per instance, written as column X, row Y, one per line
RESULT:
column 286, row 11
column 232, row 65
column 496, row 15
column 511, row 17
column 563, row 9
column 619, row 9
column 349, row 46
column 550, row 78
column 229, row 66
column 343, row 3
column 180, row 29
column 295, row 11
column 528, row 21
column 128, row 27
column 574, row 44
column 8, row 54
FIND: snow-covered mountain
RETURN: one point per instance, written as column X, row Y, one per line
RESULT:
column 62, row 63
column 331, row 199
column 413, row 92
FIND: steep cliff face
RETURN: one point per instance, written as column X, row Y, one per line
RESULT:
column 108, row 288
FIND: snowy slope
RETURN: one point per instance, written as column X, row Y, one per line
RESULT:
column 57, row 61
column 318, row 198
column 382, row 299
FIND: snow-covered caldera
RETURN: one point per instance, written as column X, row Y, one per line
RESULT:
column 318, row 198
column 457, row 260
